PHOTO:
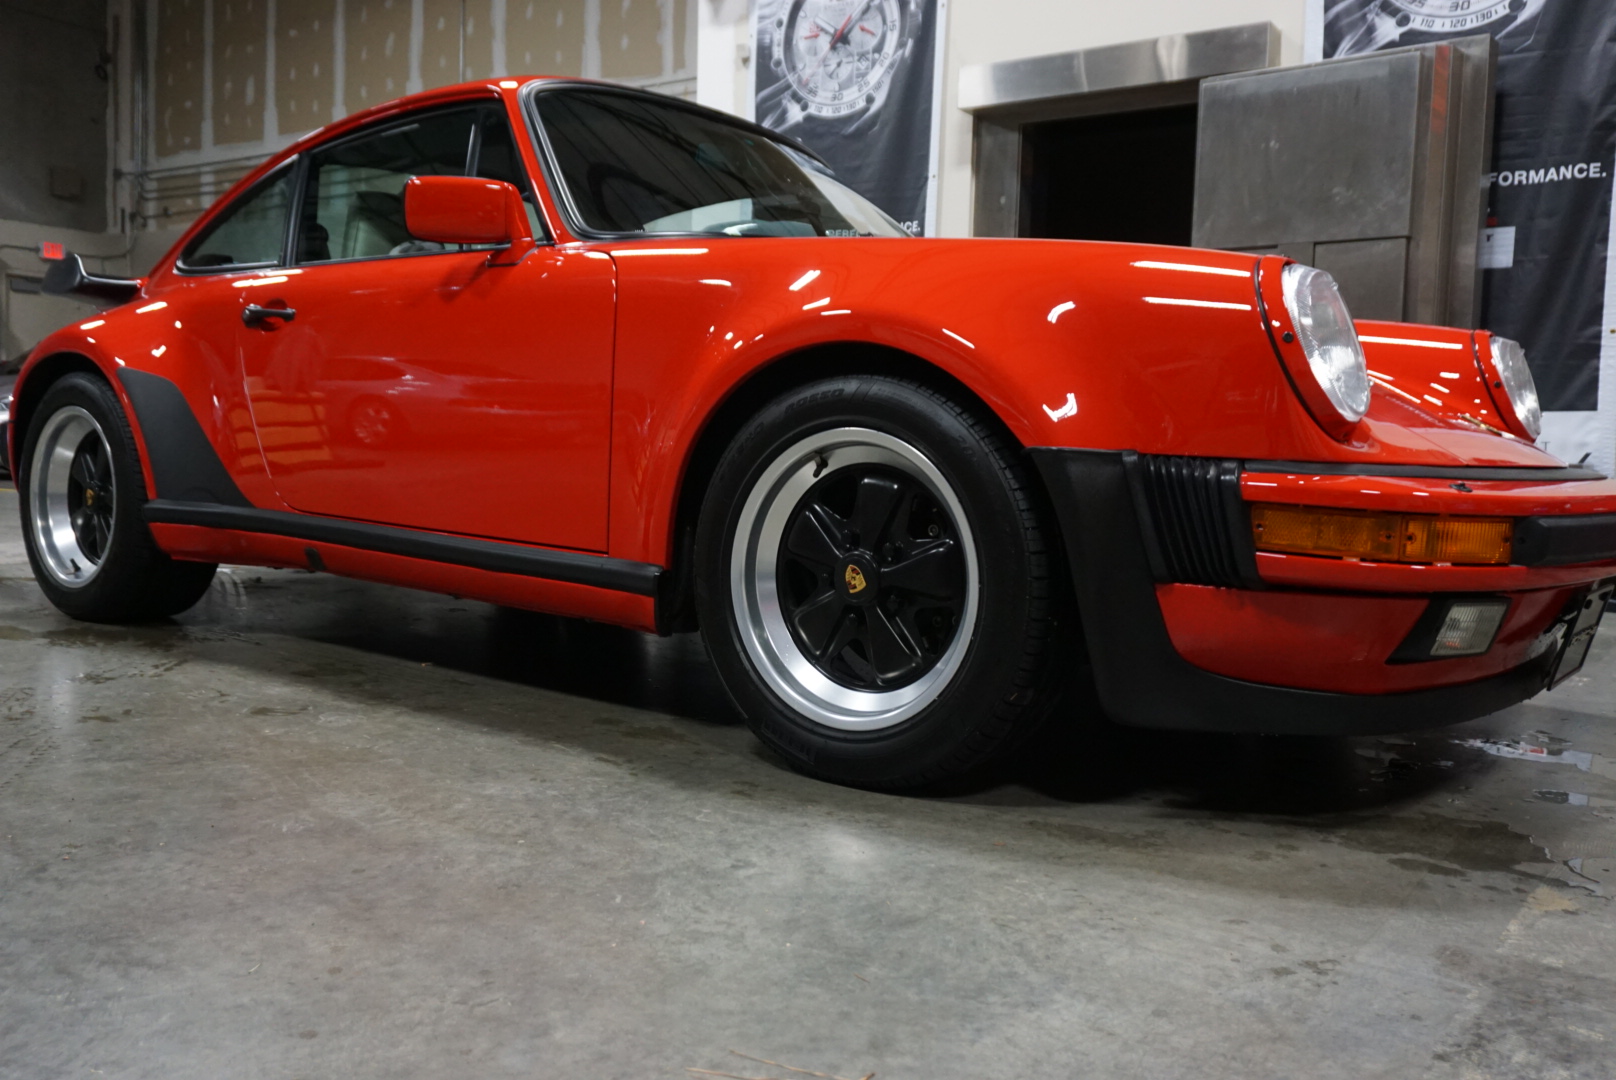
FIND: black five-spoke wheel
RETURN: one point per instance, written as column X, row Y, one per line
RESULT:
column 872, row 582
column 90, row 499
column 82, row 489
column 73, row 495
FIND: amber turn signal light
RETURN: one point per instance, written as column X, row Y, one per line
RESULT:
column 1358, row 534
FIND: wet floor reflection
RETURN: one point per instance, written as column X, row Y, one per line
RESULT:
column 1087, row 760
column 572, row 656
column 1077, row 758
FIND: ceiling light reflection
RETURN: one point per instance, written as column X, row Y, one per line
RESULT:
column 1182, row 302
column 660, row 251
column 1148, row 264
column 1415, row 342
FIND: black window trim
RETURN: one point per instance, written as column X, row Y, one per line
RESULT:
column 294, row 163
column 382, row 127
column 550, row 165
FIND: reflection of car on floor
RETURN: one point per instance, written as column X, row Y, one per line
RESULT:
column 580, row 349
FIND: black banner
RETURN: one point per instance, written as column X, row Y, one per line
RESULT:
column 1544, row 251
column 855, row 80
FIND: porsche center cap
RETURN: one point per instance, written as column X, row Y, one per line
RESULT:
column 858, row 579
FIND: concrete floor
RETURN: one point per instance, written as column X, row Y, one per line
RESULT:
column 316, row 828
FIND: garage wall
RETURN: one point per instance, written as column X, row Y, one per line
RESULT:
column 55, row 111
column 235, row 80
column 198, row 92
column 53, row 124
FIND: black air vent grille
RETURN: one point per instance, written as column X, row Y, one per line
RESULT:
column 1194, row 520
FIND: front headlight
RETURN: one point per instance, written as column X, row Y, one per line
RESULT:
column 1328, row 338
column 1509, row 362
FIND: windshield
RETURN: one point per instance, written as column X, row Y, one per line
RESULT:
column 632, row 165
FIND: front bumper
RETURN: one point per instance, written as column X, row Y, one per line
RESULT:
column 1266, row 680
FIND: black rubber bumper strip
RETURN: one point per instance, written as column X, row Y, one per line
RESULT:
column 572, row 567
column 1425, row 472
column 1144, row 682
column 1565, row 541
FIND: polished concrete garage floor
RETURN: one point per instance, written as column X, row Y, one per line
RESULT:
column 316, row 828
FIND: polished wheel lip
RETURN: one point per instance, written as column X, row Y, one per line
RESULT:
column 754, row 583
column 49, row 511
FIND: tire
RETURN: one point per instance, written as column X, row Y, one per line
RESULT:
column 81, row 491
column 909, row 660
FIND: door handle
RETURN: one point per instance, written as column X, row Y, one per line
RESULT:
column 253, row 314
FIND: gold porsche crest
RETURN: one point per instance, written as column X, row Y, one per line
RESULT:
column 855, row 579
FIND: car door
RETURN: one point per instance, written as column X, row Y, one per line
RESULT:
column 417, row 385
column 201, row 297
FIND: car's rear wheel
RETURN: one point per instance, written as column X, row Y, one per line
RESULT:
column 875, row 584
column 82, row 491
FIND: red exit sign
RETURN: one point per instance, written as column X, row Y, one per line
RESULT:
column 51, row 251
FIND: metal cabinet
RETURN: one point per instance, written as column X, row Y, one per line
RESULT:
column 1373, row 168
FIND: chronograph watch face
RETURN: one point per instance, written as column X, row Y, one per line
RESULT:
column 1382, row 23
column 837, row 56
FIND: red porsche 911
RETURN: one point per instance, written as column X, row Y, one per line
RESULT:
column 580, row 349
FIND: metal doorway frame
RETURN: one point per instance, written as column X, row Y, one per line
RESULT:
column 1148, row 74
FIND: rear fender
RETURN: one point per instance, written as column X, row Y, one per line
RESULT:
column 174, row 388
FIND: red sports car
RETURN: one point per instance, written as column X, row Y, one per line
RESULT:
column 570, row 347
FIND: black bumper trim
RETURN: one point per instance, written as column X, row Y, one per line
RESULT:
column 1195, row 526
column 1144, row 682
column 571, row 567
column 1565, row 541
column 1425, row 472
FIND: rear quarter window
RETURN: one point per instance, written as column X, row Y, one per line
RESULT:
column 250, row 232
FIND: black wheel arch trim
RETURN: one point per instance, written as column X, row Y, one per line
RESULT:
column 184, row 464
column 1141, row 678
column 570, row 567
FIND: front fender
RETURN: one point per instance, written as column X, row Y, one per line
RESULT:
column 1071, row 344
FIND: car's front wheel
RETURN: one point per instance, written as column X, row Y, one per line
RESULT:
column 875, row 584
column 82, row 491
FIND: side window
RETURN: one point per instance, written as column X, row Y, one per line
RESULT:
column 247, row 233
column 353, row 201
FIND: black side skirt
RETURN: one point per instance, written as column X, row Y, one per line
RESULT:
column 1142, row 679
column 571, row 567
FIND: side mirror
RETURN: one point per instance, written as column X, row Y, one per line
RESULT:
column 67, row 277
column 467, row 210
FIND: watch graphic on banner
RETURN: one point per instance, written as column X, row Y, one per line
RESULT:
column 1382, row 24
column 837, row 57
